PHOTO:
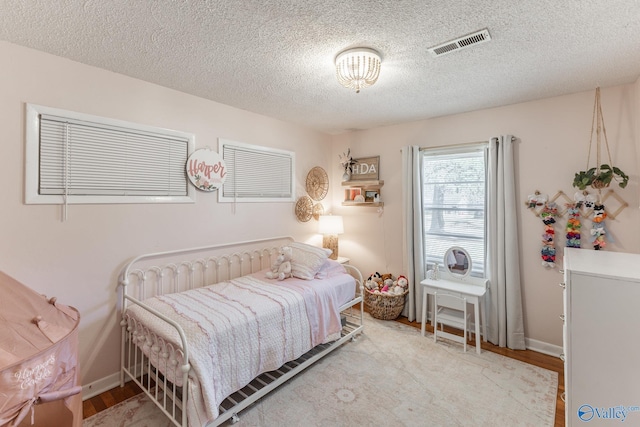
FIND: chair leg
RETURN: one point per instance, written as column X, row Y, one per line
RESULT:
column 435, row 320
column 464, row 323
column 472, row 332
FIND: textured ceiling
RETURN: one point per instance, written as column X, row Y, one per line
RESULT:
column 275, row 57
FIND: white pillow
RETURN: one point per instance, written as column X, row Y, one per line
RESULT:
column 330, row 268
column 307, row 260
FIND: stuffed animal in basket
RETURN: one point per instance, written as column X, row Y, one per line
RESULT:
column 375, row 277
column 400, row 285
column 387, row 282
column 281, row 268
column 374, row 282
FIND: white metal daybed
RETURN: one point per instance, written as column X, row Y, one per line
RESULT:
column 205, row 334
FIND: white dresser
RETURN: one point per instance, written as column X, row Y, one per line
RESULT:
column 601, row 338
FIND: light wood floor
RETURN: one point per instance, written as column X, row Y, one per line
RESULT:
column 116, row 395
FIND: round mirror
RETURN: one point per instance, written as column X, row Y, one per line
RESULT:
column 457, row 262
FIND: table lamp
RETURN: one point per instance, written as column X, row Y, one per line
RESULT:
column 330, row 226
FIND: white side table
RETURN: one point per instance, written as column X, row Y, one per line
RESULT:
column 342, row 260
column 473, row 291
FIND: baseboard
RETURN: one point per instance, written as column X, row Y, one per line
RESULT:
column 543, row 347
column 100, row 386
column 530, row 344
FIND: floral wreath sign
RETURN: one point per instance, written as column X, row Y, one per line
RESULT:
column 206, row 169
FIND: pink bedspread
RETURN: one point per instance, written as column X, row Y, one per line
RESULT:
column 238, row 329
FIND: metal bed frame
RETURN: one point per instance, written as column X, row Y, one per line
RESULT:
column 159, row 273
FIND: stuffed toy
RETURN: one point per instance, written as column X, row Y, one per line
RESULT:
column 400, row 285
column 375, row 277
column 371, row 285
column 281, row 268
column 387, row 282
column 374, row 282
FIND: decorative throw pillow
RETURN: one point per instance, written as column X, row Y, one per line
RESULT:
column 307, row 260
column 330, row 268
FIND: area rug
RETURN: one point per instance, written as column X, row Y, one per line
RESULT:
column 390, row 375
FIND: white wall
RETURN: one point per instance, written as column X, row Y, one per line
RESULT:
column 78, row 261
column 553, row 139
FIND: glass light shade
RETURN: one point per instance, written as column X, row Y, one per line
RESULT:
column 358, row 68
column 330, row 224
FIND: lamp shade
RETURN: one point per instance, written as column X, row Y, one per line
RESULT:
column 330, row 224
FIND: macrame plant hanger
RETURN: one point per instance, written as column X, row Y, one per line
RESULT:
column 598, row 120
column 598, row 231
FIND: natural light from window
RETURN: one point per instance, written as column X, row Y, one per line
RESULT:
column 454, row 202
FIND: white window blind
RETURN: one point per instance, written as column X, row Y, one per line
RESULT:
column 257, row 174
column 86, row 159
column 454, row 203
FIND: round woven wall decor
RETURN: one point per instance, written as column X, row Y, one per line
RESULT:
column 318, row 210
column 317, row 183
column 304, row 208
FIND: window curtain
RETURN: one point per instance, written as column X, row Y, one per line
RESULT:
column 412, row 230
column 505, row 325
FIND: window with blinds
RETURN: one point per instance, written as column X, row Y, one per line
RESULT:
column 454, row 203
column 74, row 158
column 257, row 174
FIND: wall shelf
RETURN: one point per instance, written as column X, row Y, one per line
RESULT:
column 366, row 189
column 352, row 203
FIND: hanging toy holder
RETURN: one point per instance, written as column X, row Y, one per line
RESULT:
column 573, row 226
column 548, row 252
column 598, row 229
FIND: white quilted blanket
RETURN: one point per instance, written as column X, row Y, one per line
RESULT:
column 238, row 329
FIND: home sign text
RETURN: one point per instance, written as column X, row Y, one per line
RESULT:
column 366, row 169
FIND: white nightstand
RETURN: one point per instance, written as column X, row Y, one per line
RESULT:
column 342, row 260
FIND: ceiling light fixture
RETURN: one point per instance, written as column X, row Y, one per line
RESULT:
column 358, row 68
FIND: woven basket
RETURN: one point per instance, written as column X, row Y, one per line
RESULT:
column 384, row 306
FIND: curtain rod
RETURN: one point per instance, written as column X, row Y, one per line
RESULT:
column 464, row 144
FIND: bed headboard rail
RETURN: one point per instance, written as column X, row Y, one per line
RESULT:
column 174, row 271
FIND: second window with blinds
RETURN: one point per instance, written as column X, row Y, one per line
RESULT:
column 256, row 173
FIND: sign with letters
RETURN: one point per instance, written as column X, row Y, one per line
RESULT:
column 206, row 169
column 366, row 169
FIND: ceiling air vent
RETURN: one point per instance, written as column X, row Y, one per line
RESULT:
column 461, row 43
